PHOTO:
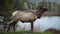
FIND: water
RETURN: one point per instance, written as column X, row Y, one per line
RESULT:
column 40, row 25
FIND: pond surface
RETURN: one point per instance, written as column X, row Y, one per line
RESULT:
column 40, row 25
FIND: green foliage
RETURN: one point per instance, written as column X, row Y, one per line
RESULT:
column 8, row 4
column 25, row 6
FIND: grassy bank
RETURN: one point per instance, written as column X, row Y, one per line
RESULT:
column 25, row 32
column 52, row 13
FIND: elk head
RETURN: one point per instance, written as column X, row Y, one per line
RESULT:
column 41, row 10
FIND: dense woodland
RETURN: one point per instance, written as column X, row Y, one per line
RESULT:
column 11, row 5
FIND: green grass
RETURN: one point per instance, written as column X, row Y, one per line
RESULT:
column 25, row 32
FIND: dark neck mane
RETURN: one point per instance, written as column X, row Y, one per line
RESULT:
column 39, row 12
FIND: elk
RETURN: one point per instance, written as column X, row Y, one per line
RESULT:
column 27, row 16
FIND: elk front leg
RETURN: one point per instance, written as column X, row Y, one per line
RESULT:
column 31, row 26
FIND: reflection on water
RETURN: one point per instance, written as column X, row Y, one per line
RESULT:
column 42, row 24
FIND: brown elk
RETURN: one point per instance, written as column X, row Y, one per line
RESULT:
column 27, row 16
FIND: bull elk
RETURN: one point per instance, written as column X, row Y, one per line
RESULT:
column 27, row 16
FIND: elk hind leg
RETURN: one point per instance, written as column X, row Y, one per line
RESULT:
column 9, row 27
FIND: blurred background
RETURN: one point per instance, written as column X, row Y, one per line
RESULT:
column 50, row 19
